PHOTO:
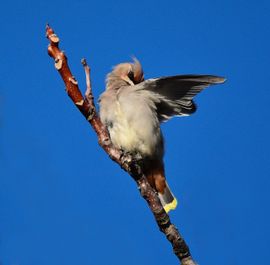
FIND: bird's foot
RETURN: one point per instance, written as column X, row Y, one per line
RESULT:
column 125, row 157
column 130, row 158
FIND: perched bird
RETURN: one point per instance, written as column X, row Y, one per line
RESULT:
column 133, row 108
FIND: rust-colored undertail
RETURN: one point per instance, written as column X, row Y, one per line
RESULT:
column 156, row 177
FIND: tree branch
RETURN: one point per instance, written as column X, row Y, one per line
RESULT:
column 126, row 161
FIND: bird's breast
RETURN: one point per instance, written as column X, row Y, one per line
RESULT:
column 122, row 132
column 132, row 125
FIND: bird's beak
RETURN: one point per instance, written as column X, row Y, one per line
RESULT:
column 126, row 78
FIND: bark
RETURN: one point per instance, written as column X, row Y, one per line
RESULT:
column 128, row 162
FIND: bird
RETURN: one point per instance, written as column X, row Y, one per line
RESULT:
column 133, row 109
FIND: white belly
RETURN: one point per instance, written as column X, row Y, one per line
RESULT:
column 127, row 135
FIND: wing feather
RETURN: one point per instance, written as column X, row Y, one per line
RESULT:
column 173, row 96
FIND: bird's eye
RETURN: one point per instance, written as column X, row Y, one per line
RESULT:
column 131, row 75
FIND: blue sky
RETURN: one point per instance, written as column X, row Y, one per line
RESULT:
column 63, row 201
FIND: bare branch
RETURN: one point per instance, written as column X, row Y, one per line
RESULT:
column 126, row 161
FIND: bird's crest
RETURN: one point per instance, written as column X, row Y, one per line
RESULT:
column 131, row 73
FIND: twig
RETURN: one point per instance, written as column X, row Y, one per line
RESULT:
column 126, row 161
column 88, row 93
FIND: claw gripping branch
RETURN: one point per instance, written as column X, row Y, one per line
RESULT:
column 126, row 161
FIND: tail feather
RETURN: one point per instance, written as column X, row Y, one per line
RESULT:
column 156, row 177
column 167, row 199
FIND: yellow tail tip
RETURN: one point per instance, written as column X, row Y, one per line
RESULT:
column 170, row 206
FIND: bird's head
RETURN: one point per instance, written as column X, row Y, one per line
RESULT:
column 131, row 73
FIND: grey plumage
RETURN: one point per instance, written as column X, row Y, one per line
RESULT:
column 132, row 109
column 174, row 94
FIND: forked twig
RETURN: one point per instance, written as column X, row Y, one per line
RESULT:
column 126, row 161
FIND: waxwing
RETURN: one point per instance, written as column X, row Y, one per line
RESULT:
column 132, row 109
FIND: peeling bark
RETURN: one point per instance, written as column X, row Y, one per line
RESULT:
column 130, row 164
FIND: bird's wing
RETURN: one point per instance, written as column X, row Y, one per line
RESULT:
column 173, row 95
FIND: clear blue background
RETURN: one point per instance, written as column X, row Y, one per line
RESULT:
column 63, row 201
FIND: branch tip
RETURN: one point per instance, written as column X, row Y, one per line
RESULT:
column 51, row 35
column 83, row 62
column 49, row 30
